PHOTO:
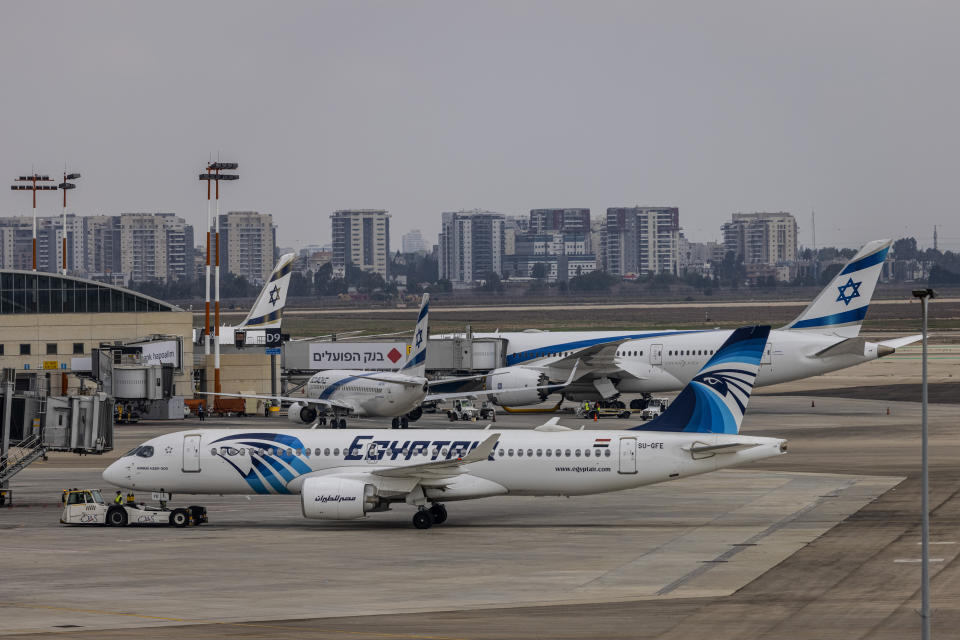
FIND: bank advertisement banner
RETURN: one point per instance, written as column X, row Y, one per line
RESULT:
column 357, row 355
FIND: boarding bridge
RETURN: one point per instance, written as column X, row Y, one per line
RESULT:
column 35, row 423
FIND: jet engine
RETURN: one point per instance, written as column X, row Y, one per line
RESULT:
column 337, row 498
column 301, row 413
column 517, row 378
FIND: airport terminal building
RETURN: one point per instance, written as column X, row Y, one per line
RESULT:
column 51, row 322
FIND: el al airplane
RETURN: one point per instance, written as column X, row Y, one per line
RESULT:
column 379, row 394
column 823, row 338
column 346, row 474
column 267, row 310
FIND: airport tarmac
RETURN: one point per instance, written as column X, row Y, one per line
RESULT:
column 820, row 543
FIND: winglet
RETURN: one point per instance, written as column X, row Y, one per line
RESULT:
column 483, row 450
column 716, row 398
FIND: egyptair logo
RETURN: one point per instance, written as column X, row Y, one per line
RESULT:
column 847, row 296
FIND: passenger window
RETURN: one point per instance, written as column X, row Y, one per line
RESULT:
column 500, row 453
column 510, row 452
column 539, row 452
column 577, row 453
column 336, row 452
column 326, row 452
column 549, row 452
column 213, row 451
column 607, row 453
column 567, row 452
column 519, row 453
column 558, row 452
column 529, row 453
column 243, row 452
column 306, row 452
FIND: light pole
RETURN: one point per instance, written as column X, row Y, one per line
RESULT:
column 213, row 173
column 66, row 186
column 925, row 296
column 33, row 179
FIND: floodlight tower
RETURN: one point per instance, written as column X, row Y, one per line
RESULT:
column 33, row 179
column 66, row 186
column 213, row 173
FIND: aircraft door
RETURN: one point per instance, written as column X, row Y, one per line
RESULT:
column 191, row 453
column 656, row 354
column 628, row 455
column 767, row 357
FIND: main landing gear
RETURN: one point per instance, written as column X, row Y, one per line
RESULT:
column 425, row 518
column 335, row 423
column 400, row 423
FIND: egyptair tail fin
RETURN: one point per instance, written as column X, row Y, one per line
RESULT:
column 716, row 399
column 842, row 305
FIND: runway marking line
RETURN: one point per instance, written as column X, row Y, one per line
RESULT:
column 399, row 636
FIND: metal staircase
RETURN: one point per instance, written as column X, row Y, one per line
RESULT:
column 20, row 457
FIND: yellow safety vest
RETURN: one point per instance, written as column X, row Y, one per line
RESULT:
column 118, row 500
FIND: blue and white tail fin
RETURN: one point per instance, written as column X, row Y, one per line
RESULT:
column 416, row 364
column 267, row 311
column 716, row 399
column 842, row 305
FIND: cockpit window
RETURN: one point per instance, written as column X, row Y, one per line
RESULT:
column 131, row 452
column 145, row 451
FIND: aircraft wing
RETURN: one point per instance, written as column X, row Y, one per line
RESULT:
column 441, row 468
column 490, row 392
column 480, row 376
column 301, row 399
column 595, row 357
column 896, row 343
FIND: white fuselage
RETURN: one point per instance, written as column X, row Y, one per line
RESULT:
column 230, row 461
column 391, row 394
column 657, row 361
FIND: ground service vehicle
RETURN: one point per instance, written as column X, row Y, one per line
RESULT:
column 466, row 410
column 86, row 506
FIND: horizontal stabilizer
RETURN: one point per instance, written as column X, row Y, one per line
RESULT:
column 896, row 343
column 850, row 346
column 729, row 447
column 552, row 425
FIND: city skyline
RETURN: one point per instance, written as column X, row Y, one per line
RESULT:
column 712, row 109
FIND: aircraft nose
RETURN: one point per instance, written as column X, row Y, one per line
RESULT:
column 114, row 474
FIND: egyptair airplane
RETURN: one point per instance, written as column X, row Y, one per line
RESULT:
column 378, row 394
column 823, row 338
column 345, row 475
column 267, row 311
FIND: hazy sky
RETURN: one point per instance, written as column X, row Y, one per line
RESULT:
column 846, row 108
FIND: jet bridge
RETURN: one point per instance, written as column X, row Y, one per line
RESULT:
column 35, row 423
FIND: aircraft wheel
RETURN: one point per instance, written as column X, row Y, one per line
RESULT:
column 395, row 423
column 422, row 519
column 439, row 513
column 404, row 423
column 116, row 517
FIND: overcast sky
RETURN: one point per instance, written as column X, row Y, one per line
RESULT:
column 846, row 108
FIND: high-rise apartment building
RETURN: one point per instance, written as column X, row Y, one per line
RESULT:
column 762, row 238
column 155, row 246
column 414, row 241
column 548, row 220
column 642, row 240
column 472, row 245
column 361, row 237
column 248, row 242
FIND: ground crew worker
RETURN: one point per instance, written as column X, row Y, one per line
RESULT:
column 119, row 498
column 131, row 499
column 200, row 412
